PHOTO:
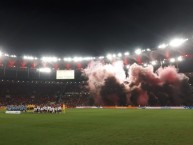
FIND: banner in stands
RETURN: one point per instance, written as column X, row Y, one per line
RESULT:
column 13, row 112
column 65, row 74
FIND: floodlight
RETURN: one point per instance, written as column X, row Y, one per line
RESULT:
column 138, row 51
column 172, row 60
column 45, row 70
column 109, row 56
column 162, row 46
column 179, row 58
column 145, row 64
column 0, row 53
column 114, row 55
column 177, row 42
column 80, row 58
column 128, row 66
column 153, row 62
column 126, row 53
column 86, row 58
column 13, row 56
column 28, row 57
column 6, row 54
column 119, row 54
column 101, row 57
column 68, row 59
column 49, row 59
column 76, row 59
column 148, row 49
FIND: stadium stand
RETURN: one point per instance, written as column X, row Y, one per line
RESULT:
column 42, row 92
column 22, row 84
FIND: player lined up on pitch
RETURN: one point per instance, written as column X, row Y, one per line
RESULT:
column 48, row 109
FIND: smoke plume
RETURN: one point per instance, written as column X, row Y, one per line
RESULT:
column 111, row 84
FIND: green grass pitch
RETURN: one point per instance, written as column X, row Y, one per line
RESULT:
column 99, row 127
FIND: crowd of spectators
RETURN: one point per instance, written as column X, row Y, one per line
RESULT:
column 43, row 92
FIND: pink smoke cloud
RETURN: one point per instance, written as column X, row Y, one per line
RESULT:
column 142, row 87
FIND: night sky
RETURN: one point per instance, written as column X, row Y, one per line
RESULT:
column 92, row 27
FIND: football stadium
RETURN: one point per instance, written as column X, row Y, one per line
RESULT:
column 140, row 97
column 96, row 72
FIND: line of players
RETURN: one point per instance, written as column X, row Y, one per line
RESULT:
column 48, row 109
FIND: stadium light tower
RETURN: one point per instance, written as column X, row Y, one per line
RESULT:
column 177, row 42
